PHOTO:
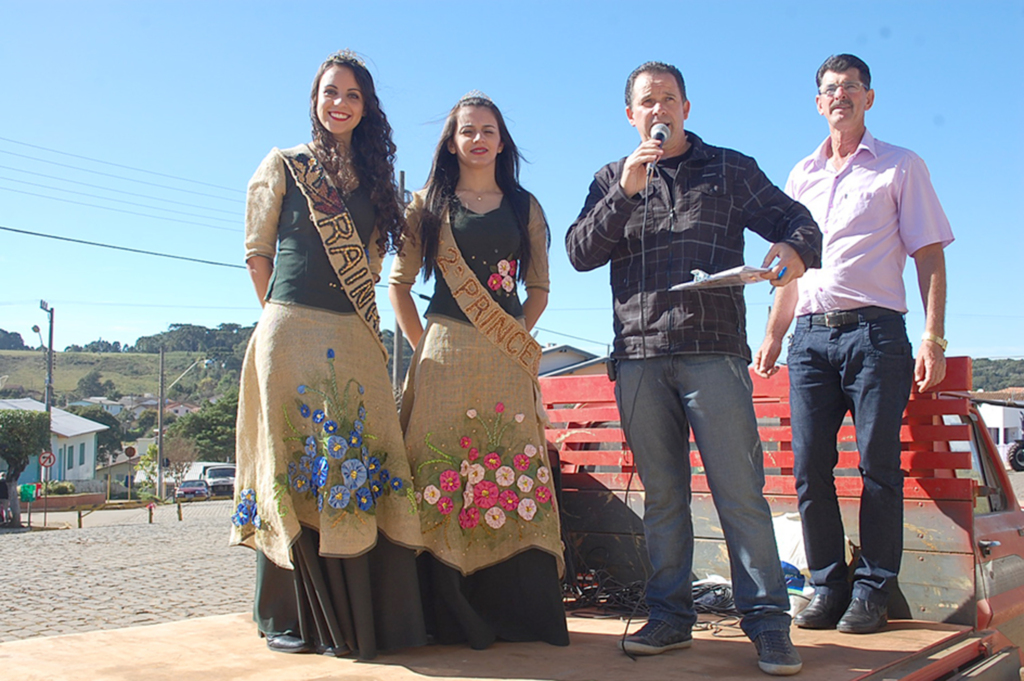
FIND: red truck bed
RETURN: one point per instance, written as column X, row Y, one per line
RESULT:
column 963, row 557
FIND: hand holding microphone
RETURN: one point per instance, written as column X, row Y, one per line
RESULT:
column 660, row 133
column 644, row 158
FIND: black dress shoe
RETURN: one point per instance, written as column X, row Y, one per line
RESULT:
column 328, row 651
column 863, row 617
column 284, row 643
column 822, row 612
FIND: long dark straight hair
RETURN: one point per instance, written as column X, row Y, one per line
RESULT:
column 444, row 176
column 373, row 151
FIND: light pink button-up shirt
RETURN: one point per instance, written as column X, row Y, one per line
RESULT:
column 874, row 212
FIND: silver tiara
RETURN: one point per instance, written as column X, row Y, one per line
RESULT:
column 475, row 94
column 347, row 55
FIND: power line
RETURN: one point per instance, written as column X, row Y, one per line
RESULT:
column 118, row 165
column 119, row 210
column 118, row 191
column 559, row 333
column 93, row 303
column 120, row 248
column 104, row 198
column 119, row 177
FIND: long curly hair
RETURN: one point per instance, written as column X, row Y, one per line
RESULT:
column 372, row 152
column 444, row 176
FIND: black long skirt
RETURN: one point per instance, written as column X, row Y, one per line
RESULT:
column 340, row 606
column 519, row 599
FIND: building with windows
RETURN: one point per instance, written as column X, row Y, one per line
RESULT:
column 72, row 438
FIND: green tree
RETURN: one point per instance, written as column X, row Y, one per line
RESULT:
column 93, row 385
column 108, row 442
column 9, row 340
column 145, row 425
column 147, row 464
column 212, row 428
column 998, row 374
column 23, row 434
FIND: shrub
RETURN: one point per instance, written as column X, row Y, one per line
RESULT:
column 60, row 487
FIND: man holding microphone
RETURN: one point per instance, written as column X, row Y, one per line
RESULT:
column 681, row 357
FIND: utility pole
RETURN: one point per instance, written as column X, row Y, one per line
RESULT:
column 48, row 395
column 160, row 433
column 396, row 352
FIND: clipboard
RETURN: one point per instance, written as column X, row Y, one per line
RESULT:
column 737, row 276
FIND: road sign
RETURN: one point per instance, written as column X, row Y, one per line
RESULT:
column 129, row 451
column 47, row 459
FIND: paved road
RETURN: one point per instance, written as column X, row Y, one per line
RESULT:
column 120, row 571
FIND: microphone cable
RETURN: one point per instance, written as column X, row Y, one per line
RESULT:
column 636, row 393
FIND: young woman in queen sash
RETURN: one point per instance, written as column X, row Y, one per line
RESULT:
column 474, row 428
column 323, row 489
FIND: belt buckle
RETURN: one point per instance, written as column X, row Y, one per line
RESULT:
column 836, row 318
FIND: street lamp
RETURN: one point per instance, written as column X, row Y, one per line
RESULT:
column 45, row 307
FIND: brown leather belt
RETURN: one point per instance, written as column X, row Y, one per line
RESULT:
column 837, row 318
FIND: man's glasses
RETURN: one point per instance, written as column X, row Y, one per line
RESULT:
column 850, row 87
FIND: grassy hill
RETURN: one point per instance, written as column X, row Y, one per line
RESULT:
column 132, row 373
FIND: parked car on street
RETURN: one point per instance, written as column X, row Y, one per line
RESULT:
column 192, row 489
column 221, row 480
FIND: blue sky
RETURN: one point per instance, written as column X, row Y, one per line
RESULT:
column 202, row 90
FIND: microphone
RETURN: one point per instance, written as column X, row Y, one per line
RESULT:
column 661, row 133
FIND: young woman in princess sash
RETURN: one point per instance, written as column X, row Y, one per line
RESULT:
column 473, row 426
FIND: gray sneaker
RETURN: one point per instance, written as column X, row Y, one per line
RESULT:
column 776, row 654
column 656, row 637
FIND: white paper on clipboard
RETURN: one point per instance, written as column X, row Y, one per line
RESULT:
column 737, row 276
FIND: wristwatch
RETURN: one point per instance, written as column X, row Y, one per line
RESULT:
column 941, row 342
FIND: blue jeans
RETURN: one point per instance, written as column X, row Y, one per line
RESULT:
column 866, row 368
column 659, row 400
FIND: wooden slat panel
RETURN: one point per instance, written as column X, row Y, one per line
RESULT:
column 558, row 435
column 622, row 458
column 778, row 410
column 588, row 414
column 930, row 407
column 922, row 442
column 933, row 433
column 917, row 433
column 569, row 389
column 780, row 458
column 959, row 375
column 776, row 386
column 783, row 458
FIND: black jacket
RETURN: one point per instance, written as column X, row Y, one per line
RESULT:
column 718, row 193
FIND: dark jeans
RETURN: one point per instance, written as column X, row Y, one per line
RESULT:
column 866, row 368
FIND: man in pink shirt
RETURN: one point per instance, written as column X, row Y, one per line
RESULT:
column 875, row 205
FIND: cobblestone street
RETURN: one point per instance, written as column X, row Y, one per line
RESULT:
column 120, row 571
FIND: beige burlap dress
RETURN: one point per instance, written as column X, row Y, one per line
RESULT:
column 322, row 472
column 475, row 439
